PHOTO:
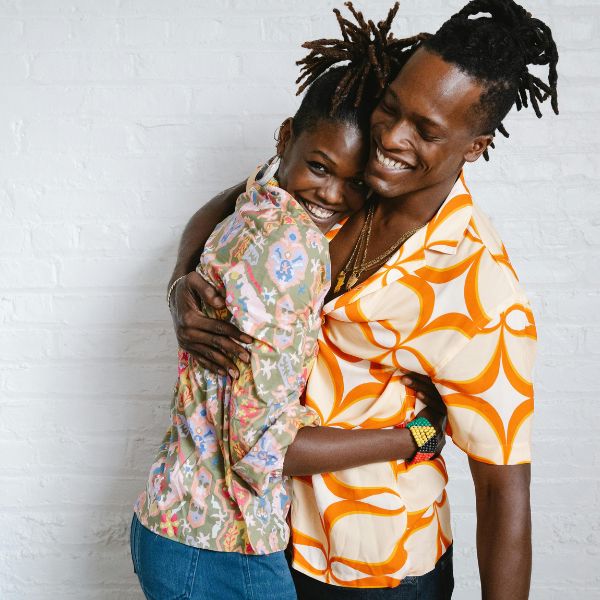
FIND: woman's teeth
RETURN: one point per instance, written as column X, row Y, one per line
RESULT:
column 389, row 163
column 317, row 211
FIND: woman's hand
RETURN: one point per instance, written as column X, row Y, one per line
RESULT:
column 435, row 409
column 212, row 341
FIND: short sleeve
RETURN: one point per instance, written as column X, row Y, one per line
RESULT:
column 487, row 386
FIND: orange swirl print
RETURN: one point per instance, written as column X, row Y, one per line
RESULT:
column 448, row 305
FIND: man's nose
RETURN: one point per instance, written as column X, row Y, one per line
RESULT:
column 396, row 136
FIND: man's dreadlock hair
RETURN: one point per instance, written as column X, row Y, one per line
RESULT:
column 349, row 92
column 494, row 41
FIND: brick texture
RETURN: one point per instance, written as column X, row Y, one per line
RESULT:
column 117, row 120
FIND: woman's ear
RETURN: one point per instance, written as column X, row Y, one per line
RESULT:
column 284, row 135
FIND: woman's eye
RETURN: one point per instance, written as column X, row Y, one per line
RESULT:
column 316, row 166
column 386, row 108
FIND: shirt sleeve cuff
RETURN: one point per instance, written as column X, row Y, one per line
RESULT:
column 262, row 466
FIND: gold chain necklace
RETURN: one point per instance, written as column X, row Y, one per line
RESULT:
column 355, row 267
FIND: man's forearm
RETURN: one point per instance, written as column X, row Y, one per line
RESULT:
column 199, row 228
column 326, row 449
column 503, row 531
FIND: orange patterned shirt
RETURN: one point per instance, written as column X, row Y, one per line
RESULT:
column 447, row 304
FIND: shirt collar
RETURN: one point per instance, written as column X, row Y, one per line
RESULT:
column 447, row 228
column 442, row 235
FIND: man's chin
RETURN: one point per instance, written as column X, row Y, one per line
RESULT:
column 389, row 182
column 384, row 187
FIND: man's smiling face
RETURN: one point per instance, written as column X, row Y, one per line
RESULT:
column 424, row 128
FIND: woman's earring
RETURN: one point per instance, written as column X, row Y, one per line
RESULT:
column 277, row 138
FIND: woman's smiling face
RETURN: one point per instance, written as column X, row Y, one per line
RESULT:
column 322, row 168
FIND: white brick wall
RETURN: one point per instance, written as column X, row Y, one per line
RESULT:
column 118, row 118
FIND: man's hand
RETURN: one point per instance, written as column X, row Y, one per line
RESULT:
column 212, row 341
column 425, row 390
column 435, row 410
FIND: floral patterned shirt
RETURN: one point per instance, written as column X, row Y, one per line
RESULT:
column 217, row 480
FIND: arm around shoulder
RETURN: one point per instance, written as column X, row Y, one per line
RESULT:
column 212, row 341
column 200, row 226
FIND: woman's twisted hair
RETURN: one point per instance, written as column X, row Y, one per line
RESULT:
column 495, row 42
column 371, row 53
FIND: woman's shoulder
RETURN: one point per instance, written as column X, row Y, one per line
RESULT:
column 272, row 215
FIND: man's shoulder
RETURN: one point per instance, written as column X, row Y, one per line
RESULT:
column 489, row 235
column 498, row 284
column 486, row 235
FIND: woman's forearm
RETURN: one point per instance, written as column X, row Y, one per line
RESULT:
column 326, row 449
column 200, row 226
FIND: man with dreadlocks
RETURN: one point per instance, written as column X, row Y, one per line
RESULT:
column 422, row 283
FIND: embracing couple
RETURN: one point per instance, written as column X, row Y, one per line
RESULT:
column 338, row 313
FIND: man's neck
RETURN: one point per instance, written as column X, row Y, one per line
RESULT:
column 416, row 208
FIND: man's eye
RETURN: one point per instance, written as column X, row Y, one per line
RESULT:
column 428, row 137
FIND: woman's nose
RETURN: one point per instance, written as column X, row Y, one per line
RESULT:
column 332, row 193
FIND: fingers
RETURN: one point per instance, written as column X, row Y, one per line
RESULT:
column 190, row 310
column 204, row 290
column 195, row 327
column 422, row 391
column 216, row 361
column 229, row 330
column 189, row 337
column 207, row 364
column 424, row 388
column 440, row 446
column 214, row 342
column 229, row 347
column 418, row 382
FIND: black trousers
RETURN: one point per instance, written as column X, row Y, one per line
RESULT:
column 435, row 585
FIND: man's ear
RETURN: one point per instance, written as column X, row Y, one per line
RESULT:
column 284, row 135
column 478, row 147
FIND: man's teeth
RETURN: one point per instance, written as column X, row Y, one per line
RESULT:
column 317, row 211
column 389, row 163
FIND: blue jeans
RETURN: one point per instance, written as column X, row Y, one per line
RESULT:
column 435, row 585
column 169, row 570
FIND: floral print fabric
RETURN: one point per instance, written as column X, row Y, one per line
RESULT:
column 217, row 480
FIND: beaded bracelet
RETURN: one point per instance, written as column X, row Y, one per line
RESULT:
column 425, row 435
